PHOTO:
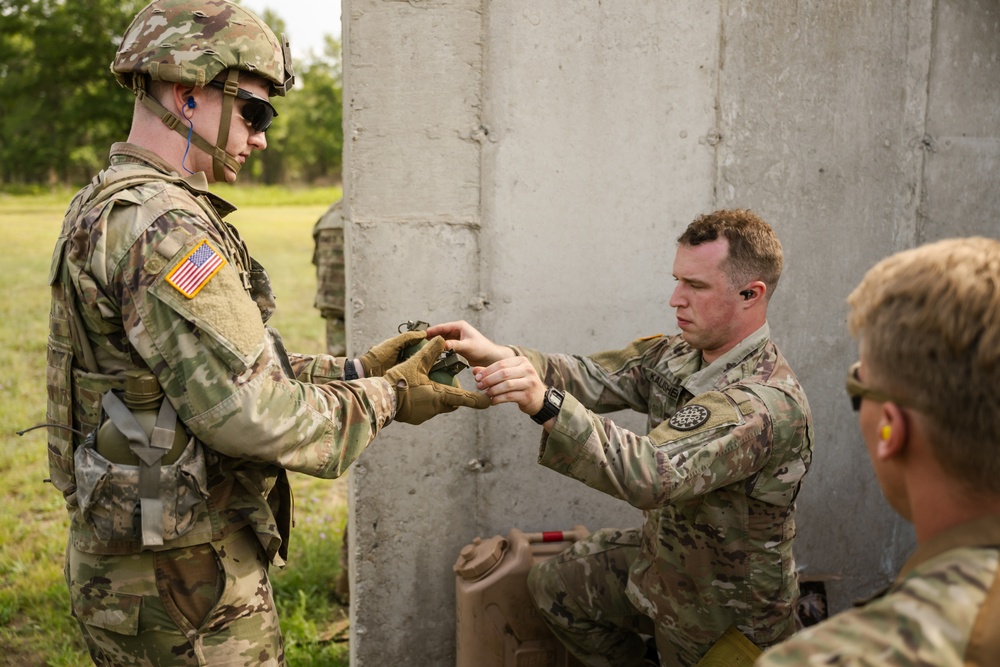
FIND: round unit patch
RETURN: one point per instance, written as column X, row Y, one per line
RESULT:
column 689, row 417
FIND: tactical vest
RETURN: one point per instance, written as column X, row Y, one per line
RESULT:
column 103, row 500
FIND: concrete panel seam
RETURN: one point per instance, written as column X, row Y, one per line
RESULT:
column 368, row 223
column 926, row 141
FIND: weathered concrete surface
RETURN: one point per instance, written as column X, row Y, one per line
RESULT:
column 961, row 196
column 822, row 110
column 527, row 166
column 413, row 78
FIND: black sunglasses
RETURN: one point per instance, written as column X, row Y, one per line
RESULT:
column 257, row 111
column 858, row 391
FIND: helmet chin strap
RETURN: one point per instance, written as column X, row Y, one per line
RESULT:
column 219, row 155
column 220, row 158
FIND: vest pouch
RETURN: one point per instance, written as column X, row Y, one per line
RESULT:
column 59, row 410
column 269, row 484
column 108, row 493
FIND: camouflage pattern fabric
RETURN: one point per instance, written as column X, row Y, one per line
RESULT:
column 942, row 610
column 192, row 41
column 716, row 476
column 211, row 353
column 328, row 257
column 204, row 605
column 143, row 303
column 593, row 576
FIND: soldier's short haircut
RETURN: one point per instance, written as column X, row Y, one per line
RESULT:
column 928, row 322
column 754, row 250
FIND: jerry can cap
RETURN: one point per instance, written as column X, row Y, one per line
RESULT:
column 478, row 558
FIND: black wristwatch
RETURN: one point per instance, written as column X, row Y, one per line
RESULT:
column 350, row 372
column 550, row 407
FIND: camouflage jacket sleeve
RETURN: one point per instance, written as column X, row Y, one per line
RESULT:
column 221, row 371
column 727, row 438
column 602, row 382
column 317, row 369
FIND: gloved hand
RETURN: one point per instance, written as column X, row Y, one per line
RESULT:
column 383, row 356
column 418, row 398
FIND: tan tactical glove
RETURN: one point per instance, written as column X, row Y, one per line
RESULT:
column 383, row 356
column 418, row 398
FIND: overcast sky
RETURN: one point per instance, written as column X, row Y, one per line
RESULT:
column 307, row 20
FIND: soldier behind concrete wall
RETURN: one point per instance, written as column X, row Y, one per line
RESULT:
column 328, row 256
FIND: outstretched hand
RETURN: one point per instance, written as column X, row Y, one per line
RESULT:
column 466, row 340
column 418, row 398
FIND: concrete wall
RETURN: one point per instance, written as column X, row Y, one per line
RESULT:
column 527, row 166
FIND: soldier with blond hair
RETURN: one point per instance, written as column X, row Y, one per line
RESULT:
column 159, row 308
column 729, row 440
column 925, row 392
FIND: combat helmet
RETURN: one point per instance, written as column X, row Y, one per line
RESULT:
column 193, row 41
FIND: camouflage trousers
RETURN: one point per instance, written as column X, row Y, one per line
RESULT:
column 581, row 595
column 209, row 604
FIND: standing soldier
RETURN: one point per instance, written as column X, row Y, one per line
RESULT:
column 158, row 308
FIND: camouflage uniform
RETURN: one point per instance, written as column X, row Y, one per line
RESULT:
column 716, row 476
column 942, row 610
column 203, row 596
column 328, row 257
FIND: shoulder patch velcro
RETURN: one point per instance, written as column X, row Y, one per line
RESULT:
column 172, row 244
column 196, row 269
column 614, row 361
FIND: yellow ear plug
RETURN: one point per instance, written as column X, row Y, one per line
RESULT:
column 886, row 432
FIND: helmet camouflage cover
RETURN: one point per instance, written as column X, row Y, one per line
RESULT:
column 193, row 41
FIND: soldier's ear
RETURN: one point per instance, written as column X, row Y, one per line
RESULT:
column 753, row 292
column 184, row 99
column 893, row 432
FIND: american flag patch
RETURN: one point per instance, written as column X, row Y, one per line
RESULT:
column 196, row 269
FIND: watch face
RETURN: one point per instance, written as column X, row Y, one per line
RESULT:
column 555, row 398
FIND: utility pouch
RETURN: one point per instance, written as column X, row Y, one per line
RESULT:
column 148, row 502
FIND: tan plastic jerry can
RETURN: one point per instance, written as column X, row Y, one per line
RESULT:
column 497, row 622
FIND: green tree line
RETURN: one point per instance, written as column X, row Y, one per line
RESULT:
column 61, row 108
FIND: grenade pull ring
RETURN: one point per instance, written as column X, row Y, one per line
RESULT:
column 413, row 325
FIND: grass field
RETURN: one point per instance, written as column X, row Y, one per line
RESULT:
column 35, row 625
